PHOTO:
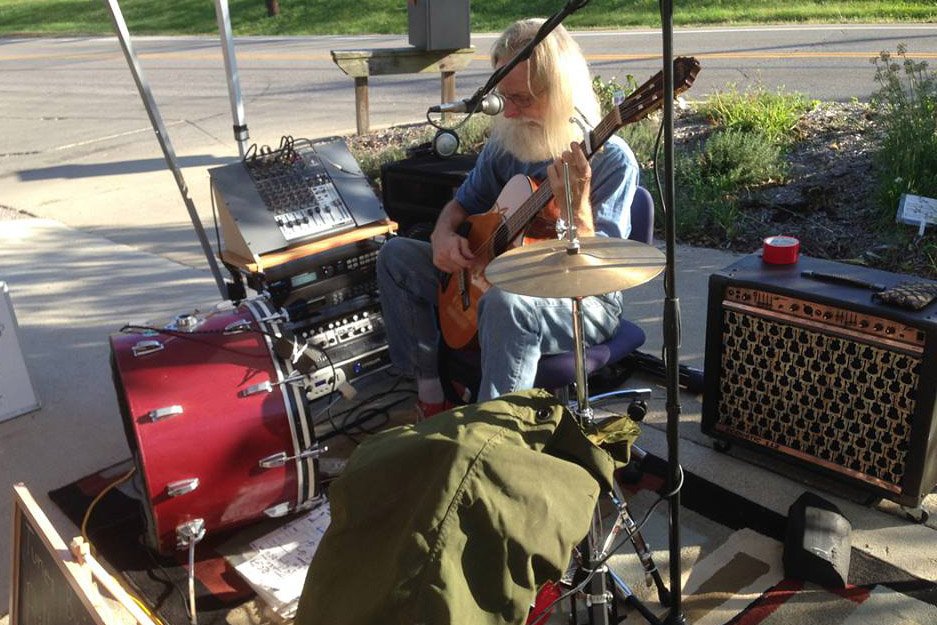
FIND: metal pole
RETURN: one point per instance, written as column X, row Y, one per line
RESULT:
column 671, row 323
column 241, row 135
column 123, row 36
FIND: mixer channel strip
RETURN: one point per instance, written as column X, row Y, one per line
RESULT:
column 298, row 190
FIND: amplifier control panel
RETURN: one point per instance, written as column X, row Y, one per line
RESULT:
column 330, row 334
column 350, row 259
column 349, row 345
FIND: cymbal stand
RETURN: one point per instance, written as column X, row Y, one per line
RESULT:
column 598, row 597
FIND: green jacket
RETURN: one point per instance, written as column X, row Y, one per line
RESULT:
column 458, row 519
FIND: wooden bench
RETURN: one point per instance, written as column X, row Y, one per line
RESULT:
column 361, row 64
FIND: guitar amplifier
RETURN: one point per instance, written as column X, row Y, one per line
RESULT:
column 415, row 189
column 813, row 370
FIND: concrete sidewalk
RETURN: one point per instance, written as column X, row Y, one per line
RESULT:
column 115, row 244
column 71, row 289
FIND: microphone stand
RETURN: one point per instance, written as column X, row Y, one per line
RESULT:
column 671, row 324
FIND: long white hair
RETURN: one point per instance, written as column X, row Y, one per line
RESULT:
column 558, row 72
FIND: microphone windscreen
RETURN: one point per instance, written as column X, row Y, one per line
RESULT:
column 445, row 143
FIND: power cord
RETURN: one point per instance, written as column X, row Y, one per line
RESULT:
column 84, row 534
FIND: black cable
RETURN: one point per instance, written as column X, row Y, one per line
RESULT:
column 168, row 578
column 374, row 412
column 351, row 420
column 657, row 146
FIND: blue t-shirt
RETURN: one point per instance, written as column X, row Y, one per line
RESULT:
column 614, row 180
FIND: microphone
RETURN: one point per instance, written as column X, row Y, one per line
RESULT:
column 491, row 104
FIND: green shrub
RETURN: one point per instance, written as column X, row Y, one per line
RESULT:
column 735, row 159
column 473, row 134
column 773, row 114
column 710, row 179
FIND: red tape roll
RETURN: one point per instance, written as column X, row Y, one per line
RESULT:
column 780, row 250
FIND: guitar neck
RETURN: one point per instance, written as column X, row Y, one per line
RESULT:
column 539, row 198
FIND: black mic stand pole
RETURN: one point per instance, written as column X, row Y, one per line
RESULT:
column 671, row 324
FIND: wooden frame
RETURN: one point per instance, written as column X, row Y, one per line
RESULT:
column 360, row 64
column 68, row 578
column 31, row 526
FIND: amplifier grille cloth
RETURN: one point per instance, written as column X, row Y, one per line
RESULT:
column 840, row 402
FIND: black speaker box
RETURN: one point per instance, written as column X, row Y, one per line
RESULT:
column 817, row 546
column 415, row 189
column 818, row 373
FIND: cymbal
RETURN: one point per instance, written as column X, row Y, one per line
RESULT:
column 601, row 265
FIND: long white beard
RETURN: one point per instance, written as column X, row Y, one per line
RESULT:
column 528, row 140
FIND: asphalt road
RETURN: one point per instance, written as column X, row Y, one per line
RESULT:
column 76, row 144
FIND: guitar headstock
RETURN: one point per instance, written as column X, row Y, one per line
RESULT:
column 649, row 96
column 685, row 69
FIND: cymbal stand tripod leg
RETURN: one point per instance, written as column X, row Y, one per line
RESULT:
column 625, row 522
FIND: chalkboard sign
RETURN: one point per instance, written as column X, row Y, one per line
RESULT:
column 49, row 586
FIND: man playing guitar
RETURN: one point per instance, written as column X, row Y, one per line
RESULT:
column 535, row 136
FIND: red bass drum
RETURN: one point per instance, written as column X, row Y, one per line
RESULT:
column 216, row 421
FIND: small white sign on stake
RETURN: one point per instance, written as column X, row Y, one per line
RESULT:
column 916, row 210
column 17, row 395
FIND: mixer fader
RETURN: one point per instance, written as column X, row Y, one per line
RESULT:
column 298, row 190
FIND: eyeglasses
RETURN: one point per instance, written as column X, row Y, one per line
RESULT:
column 519, row 101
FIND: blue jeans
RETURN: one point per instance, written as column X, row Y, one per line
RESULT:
column 513, row 330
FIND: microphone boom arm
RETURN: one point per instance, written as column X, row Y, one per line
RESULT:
column 474, row 102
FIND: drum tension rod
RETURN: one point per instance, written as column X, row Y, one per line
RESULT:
column 280, row 458
column 267, row 386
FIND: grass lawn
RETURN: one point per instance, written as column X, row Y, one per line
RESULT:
column 323, row 17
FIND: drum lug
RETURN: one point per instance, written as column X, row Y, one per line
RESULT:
column 166, row 411
column 142, row 348
column 280, row 458
column 254, row 389
column 236, row 327
column 267, row 387
column 189, row 533
column 181, row 487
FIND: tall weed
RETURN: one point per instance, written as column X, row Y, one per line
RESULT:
column 906, row 106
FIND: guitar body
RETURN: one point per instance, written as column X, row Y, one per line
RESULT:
column 458, row 293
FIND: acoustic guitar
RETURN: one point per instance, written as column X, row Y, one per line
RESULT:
column 508, row 223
